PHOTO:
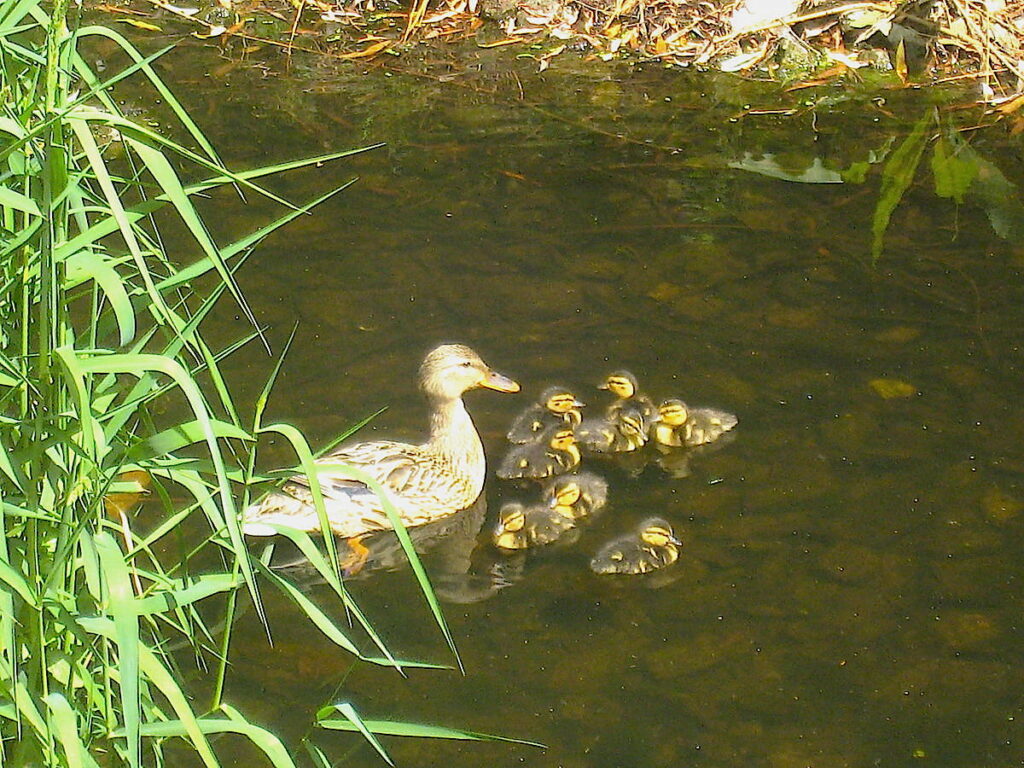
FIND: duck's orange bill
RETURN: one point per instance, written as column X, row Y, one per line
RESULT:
column 501, row 383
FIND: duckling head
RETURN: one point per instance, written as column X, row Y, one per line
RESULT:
column 632, row 424
column 622, row 384
column 451, row 369
column 512, row 518
column 673, row 412
column 559, row 400
column 565, row 492
column 562, row 439
column 656, row 532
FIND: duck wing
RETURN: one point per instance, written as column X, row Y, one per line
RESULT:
column 353, row 508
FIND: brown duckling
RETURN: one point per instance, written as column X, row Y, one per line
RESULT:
column 651, row 546
column 577, row 495
column 681, row 426
column 555, row 406
column 555, row 453
column 520, row 526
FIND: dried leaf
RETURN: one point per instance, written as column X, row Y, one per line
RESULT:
column 900, row 65
column 498, row 43
column 1011, row 106
column 141, row 25
column 368, row 51
column 890, row 389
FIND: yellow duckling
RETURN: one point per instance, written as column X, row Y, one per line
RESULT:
column 626, row 431
column 554, row 453
column 520, row 526
column 577, row 495
column 651, row 546
column 626, row 388
column 555, row 406
column 681, row 426
column 423, row 482
column 626, row 423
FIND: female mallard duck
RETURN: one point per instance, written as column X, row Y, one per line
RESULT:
column 577, row 495
column 555, row 406
column 651, row 546
column 680, row 426
column 627, row 420
column 554, row 453
column 520, row 527
column 424, row 482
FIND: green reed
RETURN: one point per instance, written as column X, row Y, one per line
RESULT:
column 100, row 339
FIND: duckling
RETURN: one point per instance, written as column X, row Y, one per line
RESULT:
column 651, row 546
column 577, row 495
column 626, row 422
column 520, row 526
column 681, row 426
column 623, row 432
column 626, row 388
column 554, row 453
column 556, row 405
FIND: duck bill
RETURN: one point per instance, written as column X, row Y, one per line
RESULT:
column 578, row 404
column 499, row 383
column 676, row 541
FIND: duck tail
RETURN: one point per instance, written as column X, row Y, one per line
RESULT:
column 279, row 509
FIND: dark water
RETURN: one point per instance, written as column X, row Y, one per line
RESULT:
column 849, row 589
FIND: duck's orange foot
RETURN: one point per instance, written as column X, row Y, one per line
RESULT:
column 358, row 553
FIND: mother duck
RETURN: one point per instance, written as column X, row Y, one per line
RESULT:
column 424, row 482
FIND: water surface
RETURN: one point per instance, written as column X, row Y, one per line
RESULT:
column 849, row 590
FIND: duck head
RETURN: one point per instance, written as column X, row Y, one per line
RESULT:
column 451, row 369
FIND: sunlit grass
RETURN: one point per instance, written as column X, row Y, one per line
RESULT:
column 100, row 339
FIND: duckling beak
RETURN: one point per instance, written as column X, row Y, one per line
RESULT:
column 498, row 382
column 578, row 404
column 675, row 540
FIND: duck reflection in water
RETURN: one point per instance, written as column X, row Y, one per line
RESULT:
column 445, row 545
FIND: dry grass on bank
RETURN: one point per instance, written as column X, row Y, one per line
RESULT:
column 921, row 40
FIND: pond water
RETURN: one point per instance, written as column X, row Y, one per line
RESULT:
column 849, row 590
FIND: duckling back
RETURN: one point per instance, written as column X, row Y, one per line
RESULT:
column 650, row 547
column 554, row 453
column 521, row 527
column 706, row 425
column 582, row 493
column 623, row 429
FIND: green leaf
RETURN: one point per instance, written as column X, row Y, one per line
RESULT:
column 198, row 588
column 11, row 199
column 358, row 725
column 86, row 265
column 190, row 432
column 897, row 175
column 953, row 170
column 157, row 674
column 67, row 732
column 117, row 586
column 418, row 730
